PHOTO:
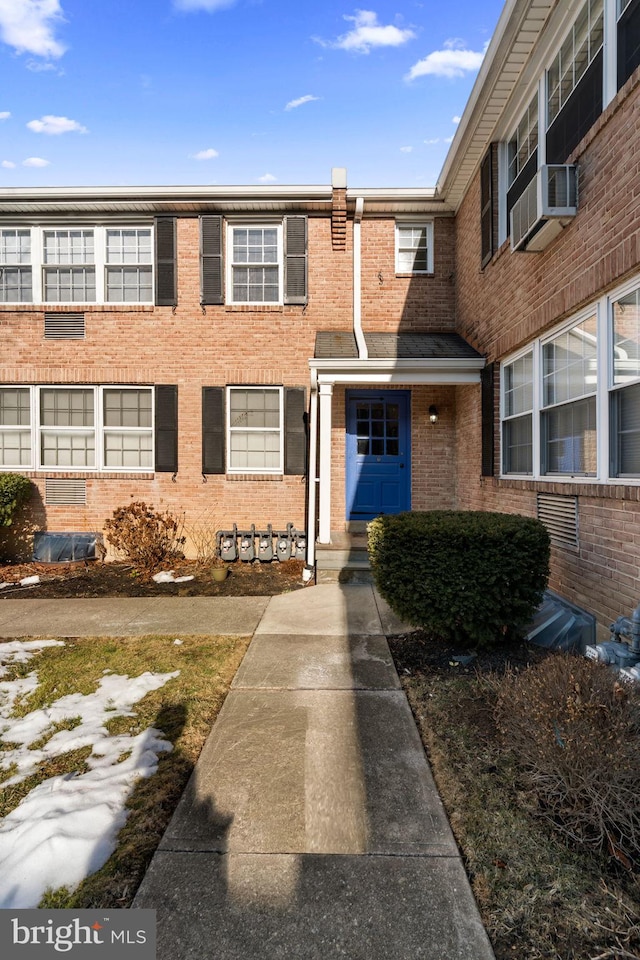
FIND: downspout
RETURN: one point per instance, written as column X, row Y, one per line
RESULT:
column 363, row 353
column 313, row 480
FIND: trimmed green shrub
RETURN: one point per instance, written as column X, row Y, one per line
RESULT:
column 14, row 491
column 464, row 575
column 574, row 729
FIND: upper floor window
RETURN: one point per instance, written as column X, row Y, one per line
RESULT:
column 414, row 248
column 15, row 266
column 524, row 141
column 578, row 51
column 255, row 264
column 69, row 265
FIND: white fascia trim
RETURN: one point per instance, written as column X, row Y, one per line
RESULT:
column 398, row 371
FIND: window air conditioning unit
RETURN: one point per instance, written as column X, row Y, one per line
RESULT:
column 545, row 207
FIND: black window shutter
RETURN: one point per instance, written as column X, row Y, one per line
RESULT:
column 211, row 274
column 213, row 430
column 295, row 260
column 295, row 430
column 166, row 429
column 487, row 418
column 486, row 207
column 166, row 281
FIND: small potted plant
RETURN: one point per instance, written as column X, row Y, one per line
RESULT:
column 219, row 568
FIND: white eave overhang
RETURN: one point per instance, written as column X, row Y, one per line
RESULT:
column 514, row 39
column 149, row 201
column 397, row 371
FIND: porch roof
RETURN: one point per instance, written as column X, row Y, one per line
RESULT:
column 395, row 358
column 338, row 345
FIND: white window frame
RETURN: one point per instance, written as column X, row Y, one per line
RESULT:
column 407, row 224
column 606, row 392
column 532, row 118
column 506, row 417
column 20, row 428
column 232, row 225
column 558, row 55
column 100, row 264
column 279, row 469
column 98, row 430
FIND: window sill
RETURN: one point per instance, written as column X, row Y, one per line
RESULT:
column 77, row 308
column 254, row 308
column 602, row 489
column 42, row 473
column 415, row 273
column 249, row 477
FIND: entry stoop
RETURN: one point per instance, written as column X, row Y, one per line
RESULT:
column 346, row 558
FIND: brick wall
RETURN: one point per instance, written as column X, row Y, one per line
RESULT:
column 517, row 297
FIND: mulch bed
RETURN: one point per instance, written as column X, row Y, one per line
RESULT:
column 96, row 579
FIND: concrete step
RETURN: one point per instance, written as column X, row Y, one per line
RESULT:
column 337, row 563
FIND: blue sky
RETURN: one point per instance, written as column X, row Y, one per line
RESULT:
column 234, row 91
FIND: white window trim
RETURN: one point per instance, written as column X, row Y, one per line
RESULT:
column 605, row 389
column 505, row 418
column 254, row 470
column 100, row 264
column 98, row 428
column 408, row 222
column 230, row 226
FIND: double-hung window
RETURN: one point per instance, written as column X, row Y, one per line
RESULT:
column 255, row 264
column 15, row 266
column 524, row 141
column 128, row 271
column 15, row 427
column 569, row 383
column 625, row 381
column 76, row 428
column 579, row 50
column 69, row 265
column 69, row 272
column 255, row 425
column 517, row 427
column 414, row 247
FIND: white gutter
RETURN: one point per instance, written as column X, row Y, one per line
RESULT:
column 313, row 480
column 363, row 353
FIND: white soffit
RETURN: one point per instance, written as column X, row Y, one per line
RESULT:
column 517, row 32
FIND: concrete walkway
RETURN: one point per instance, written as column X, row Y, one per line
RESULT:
column 311, row 827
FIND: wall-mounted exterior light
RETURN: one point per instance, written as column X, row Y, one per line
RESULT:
column 433, row 414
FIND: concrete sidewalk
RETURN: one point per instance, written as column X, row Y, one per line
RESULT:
column 311, row 827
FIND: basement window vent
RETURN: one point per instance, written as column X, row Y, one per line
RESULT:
column 64, row 547
column 560, row 516
column 64, row 326
column 65, row 492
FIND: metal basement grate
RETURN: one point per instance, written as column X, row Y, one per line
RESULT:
column 560, row 516
column 65, row 492
column 64, row 326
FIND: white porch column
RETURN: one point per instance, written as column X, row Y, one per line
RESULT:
column 324, row 509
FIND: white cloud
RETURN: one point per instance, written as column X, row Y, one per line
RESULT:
column 456, row 119
column 298, row 103
column 454, row 61
column 448, row 139
column 209, row 154
column 4, row 115
column 367, row 33
column 29, row 25
column 406, row 149
column 267, row 178
column 7, row 164
column 209, row 5
column 432, row 141
column 35, row 162
column 55, row 125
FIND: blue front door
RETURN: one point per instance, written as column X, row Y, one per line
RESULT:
column 378, row 454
